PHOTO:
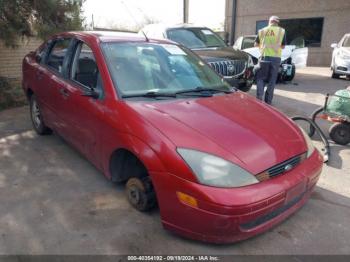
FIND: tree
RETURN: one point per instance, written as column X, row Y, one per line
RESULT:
column 19, row 18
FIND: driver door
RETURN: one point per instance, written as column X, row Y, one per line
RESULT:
column 84, row 114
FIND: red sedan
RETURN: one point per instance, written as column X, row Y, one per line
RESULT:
column 221, row 165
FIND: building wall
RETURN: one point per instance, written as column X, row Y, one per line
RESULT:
column 335, row 13
column 11, row 58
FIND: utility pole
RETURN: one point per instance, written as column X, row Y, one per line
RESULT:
column 185, row 11
column 92, row 21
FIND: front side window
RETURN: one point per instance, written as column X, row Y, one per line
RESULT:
column 57, row 54
column 195, row 37
column 248, row 42
column 84, row 68
column 138, row 68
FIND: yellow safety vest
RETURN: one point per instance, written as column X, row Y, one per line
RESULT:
column 271, row 38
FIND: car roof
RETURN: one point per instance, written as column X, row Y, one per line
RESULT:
column 171, row 26
column 110, row 36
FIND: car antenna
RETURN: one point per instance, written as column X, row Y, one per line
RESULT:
column 133, row 18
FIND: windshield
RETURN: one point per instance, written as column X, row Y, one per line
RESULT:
column 140, row 68
column 346, row 42
column 195, row 37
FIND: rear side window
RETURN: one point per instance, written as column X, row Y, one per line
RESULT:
column 57, row 54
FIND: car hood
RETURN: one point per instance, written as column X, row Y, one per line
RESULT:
column 220, row 53
column 251, row 134
column 286, row 52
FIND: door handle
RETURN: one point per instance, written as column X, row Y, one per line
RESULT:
column 64, row 92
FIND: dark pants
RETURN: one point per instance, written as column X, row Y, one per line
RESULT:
column 271, row 80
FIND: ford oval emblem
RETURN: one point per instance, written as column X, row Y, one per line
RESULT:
column 288, row 167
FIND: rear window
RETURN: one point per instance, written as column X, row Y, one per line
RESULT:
column 57, row 54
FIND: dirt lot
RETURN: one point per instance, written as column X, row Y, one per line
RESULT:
column 53, row 201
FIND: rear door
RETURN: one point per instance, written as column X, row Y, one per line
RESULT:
column 41, row 81
column 53, row 78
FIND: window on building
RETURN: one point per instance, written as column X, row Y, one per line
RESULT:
column 301, row 31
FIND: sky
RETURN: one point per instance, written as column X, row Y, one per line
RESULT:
column 130, row 14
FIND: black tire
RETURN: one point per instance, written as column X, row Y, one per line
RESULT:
column 340, row 133
column 36, row 117
column 291, row 77
column 140, row 193
column 335, row 75
column 245, row 87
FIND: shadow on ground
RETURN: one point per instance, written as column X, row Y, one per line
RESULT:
column 53, row 201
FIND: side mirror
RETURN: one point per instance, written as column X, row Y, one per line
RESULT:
column 38, row 57
column 334, row 45
column 92, row 92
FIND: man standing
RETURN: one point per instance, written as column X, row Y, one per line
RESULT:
column 271, row 40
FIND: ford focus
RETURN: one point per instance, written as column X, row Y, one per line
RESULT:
column 220, row 165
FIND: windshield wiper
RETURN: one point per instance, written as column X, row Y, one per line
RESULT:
column 151, row 94
column 204, row 91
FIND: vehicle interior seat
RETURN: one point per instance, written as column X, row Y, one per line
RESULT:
column 87, row 72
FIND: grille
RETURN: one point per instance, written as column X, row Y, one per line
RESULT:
column 229, row 67
column 263, row 219
column 281, row 168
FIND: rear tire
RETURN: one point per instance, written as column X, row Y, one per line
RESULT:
column 36, row 117
column 340, row 133
column 140, row 193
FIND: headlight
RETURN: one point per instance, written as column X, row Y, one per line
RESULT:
column 250, row 61
column 310, row 145
column 214, row 171
column 344, row 55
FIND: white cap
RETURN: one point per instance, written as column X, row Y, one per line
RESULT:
column 274, row 19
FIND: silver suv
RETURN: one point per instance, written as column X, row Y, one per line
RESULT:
column 341, row 57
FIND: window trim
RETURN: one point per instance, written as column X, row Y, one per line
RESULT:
column 65, row 59
column 75, row 83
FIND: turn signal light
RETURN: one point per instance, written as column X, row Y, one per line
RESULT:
column 187, row 199
column 263, row 176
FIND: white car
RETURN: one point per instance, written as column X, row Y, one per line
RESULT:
column 341, row 57
column 293, row 56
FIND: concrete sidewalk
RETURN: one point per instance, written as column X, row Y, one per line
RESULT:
column 53, row 201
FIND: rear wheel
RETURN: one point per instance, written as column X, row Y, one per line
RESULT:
column 36, row 117
column 140, row 193
column 340, row 133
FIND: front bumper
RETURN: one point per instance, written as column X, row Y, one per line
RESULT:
column 243, row 81
column 342, row 66
column 227, row 215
